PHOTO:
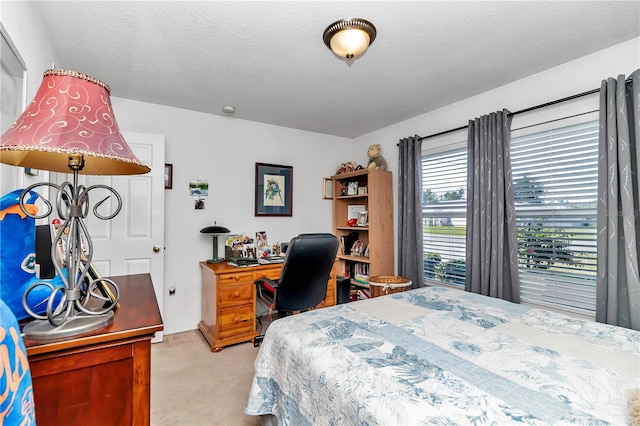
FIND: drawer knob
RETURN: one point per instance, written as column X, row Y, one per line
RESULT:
column 236, row 294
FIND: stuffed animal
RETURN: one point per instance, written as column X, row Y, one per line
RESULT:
column 376, row 160
column 348, row 167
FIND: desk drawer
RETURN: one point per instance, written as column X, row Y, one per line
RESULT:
column 273, row 274
column 237, row 293
column 236, row 277
column 235, row 320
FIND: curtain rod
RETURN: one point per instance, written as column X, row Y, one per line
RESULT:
column 546, row 104
column 557, row 101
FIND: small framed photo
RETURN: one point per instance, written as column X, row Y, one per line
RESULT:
column 327, row 189
column 274, row 190
column 168, row 176
column 363, row 218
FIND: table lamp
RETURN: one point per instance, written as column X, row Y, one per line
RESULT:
column 215, row 230
column 69, row 127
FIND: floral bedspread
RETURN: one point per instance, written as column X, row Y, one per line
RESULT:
column 441, row 356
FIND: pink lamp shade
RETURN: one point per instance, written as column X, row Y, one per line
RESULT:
column 70, row 114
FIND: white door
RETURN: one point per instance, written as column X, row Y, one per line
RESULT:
column 133, row 241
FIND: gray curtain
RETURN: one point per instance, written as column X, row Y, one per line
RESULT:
column 410, row 210
column 618, row 285
column 492, row 249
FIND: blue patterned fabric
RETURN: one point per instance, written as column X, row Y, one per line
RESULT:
column 18, row 258
column 442, row 356
column 16, row 392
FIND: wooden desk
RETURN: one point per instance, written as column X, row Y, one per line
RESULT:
column 229, row 301
column 101, row 377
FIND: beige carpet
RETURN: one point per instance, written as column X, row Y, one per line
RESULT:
column 192, row 386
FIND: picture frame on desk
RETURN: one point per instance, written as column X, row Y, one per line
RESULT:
column 273, row 190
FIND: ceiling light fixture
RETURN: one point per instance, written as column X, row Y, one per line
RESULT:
column 349, row 38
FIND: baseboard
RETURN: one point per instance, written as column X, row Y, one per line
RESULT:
column 182, row 329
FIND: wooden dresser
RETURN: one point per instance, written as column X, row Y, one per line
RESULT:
column 229, row 301
column 101, row 377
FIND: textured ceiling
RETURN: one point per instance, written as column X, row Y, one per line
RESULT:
column 267, row 58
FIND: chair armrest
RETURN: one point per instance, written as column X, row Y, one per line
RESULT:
column 266, row 283
column 266, row 290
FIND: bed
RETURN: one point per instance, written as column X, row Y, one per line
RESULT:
column 438, row 355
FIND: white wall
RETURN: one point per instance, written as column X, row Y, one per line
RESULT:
column 574, row 77
column 223, row 151
column 24, row 30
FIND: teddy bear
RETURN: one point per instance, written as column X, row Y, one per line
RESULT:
column 376, row 160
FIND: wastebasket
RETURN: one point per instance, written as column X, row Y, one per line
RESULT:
column 344, row 289
column 388, row 284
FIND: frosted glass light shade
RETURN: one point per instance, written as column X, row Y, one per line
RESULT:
column 350, row 43
column 349, row 38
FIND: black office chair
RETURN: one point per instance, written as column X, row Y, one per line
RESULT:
column 303, row 279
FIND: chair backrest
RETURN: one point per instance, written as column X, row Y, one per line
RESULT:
column 305, row 272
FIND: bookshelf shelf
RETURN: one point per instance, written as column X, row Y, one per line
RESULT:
column 359, row 259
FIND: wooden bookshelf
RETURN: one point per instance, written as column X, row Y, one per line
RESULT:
column 377, row 235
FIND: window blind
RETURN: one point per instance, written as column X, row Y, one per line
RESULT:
column 555, row 176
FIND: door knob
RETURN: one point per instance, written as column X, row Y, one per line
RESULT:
column 156, row 249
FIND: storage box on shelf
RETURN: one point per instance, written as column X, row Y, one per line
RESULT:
column 376, row 235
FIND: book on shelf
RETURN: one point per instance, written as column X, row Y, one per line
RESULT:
column 362, row 279
column 346, row 242
column 361, row 269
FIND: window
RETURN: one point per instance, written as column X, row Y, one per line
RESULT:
column 444, row 217
column 555, row 188
column 555, row 177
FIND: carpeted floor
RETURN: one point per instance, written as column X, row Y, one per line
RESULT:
column 192, row 386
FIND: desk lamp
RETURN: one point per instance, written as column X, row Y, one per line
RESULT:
column 69, row 127
column 215, row 230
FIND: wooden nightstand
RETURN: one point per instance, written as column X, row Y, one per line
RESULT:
column 100, row 377
column 229, row 301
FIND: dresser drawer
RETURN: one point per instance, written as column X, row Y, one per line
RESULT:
column 235, row 320
column 236, row 277
column 236, row 293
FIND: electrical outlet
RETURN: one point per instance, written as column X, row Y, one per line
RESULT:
column 172, row 290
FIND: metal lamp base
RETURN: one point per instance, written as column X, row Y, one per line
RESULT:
column 81, row 323
column 215, row 258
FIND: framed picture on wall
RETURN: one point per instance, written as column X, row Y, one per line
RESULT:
column 327, row 189
column 274, row 190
